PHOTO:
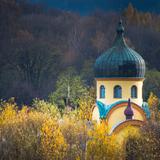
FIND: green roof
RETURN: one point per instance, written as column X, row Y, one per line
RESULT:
column 120, row 60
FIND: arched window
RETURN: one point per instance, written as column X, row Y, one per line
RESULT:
column 117, row 92
column 102, row 91
column 133, row 92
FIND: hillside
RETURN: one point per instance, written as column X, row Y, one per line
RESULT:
column 37, row 45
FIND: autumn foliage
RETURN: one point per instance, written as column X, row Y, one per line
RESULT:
column 38, row 134
column 42, row 132
column 147, row 144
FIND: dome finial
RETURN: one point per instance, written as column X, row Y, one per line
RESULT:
column 128, row 111
column 120, row 28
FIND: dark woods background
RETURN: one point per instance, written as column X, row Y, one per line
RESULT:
column 38, row 44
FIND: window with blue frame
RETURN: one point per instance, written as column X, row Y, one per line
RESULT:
column 117, row 92
column 102, row 91
column 133, row 92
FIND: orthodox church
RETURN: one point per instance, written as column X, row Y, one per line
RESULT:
column 119, row 75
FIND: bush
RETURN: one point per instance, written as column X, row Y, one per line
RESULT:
column 20, row 134
column 46, row 108
column 53, row 143
column 102, row 146
column 42, row 133
column 147, row 146
column 76, row 136
column 29, row 133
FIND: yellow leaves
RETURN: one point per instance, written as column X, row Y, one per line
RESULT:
column 146, row 145
column 46, row 108
column 19, row 130
column 100, row 144
column 75, row 133
column 99, row 131
column 127, row 132
column 85, row 108
column 153, row 102
column 36, row 134
column 29, row 134
column 78, row 158
column 9, row 112
column 132, row 131
column 52, row 141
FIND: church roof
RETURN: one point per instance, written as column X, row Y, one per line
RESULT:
column 120, row 61
column 104, row 109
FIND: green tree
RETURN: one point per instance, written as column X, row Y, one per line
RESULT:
column 46, row 108
column 70, row 86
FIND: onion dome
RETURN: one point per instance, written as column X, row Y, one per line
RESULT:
column 120, row 61
column 128, row 111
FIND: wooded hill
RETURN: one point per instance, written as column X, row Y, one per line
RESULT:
column 38, row 44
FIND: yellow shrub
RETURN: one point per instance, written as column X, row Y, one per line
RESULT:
column 146, row 146
column 9, row 112
column 53, row 144
column 102, row 146
column 35, row 134
column 153, row 102
column 75, row 133
column 85, row 108
column 46, row 108
column 20, row 133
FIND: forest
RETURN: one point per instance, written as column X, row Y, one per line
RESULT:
column 39, row 47
column 46, row 64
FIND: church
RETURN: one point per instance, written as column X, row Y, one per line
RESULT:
column 119, row 76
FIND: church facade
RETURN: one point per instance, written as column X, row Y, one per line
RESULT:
column 119, row 75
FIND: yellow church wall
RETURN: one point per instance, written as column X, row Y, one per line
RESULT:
column 126, row 85
column 95, row 115
column 116, row 115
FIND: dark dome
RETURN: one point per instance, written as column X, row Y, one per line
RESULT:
column 120, row 61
